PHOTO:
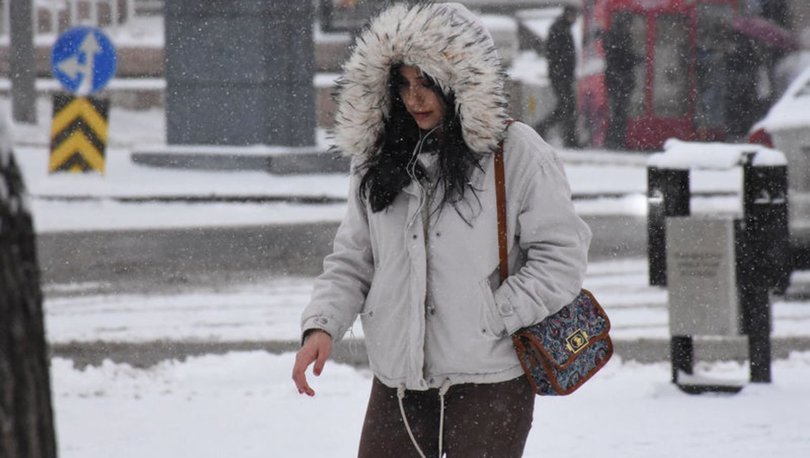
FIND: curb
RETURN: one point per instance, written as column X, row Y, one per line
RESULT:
column 353, row 352
column 274, row 160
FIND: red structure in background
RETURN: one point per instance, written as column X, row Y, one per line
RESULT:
column 680, row 87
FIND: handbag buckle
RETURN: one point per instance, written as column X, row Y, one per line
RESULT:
column 576, row 341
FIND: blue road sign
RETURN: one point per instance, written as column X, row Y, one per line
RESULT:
column 83, row 60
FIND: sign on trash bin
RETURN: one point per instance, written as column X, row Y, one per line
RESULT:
column 701, row 276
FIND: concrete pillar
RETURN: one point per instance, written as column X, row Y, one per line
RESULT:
column 240, row 73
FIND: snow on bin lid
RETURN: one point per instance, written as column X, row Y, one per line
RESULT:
column 683, row 155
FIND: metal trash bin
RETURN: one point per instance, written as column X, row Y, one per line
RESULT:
column 719, row 270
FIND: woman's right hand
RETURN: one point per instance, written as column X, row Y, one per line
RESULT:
column 317, row 347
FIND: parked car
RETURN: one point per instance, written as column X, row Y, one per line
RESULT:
column 786, row 127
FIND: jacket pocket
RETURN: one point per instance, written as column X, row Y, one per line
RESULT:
column 492, row 325
column 374, row 339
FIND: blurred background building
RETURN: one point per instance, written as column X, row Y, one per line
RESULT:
column 696, row 54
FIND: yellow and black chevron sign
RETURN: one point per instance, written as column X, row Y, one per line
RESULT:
column 78, row 134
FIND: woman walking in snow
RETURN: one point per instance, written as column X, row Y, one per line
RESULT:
column 422, row 112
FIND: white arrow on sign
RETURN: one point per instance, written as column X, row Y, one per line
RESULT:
column 73, row 67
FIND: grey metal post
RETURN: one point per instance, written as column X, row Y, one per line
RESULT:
column 763, row 259
column 682, row 355
column 22, row 64
column 667, row 195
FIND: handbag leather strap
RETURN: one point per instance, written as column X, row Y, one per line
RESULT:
column 500, row 203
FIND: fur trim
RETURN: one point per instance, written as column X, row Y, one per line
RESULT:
column 447, row 42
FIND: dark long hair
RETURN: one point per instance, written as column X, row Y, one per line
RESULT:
column 385, row 172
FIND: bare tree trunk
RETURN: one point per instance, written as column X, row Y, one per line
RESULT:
column 22, row 65
column 26, row 416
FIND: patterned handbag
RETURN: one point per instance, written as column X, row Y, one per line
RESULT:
column 567, row 348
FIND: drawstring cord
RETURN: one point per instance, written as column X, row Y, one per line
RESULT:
column 400, row 397
column 442, row 391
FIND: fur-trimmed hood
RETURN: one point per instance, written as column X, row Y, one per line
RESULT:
column 448, row 43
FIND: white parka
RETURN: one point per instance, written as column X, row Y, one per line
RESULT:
column 431, row 307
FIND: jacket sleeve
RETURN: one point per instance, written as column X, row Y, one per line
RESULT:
column 554, row 239
column 340, row 291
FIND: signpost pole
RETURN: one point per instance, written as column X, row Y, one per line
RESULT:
column 23, row 68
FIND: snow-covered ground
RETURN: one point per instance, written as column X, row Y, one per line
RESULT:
column 244, row 405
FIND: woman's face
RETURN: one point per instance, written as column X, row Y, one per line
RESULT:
column 420, row 98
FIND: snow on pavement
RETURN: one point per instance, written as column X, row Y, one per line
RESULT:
column 271, row 310
column 244, row 405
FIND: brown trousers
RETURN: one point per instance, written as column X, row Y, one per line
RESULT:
column 480, row 420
